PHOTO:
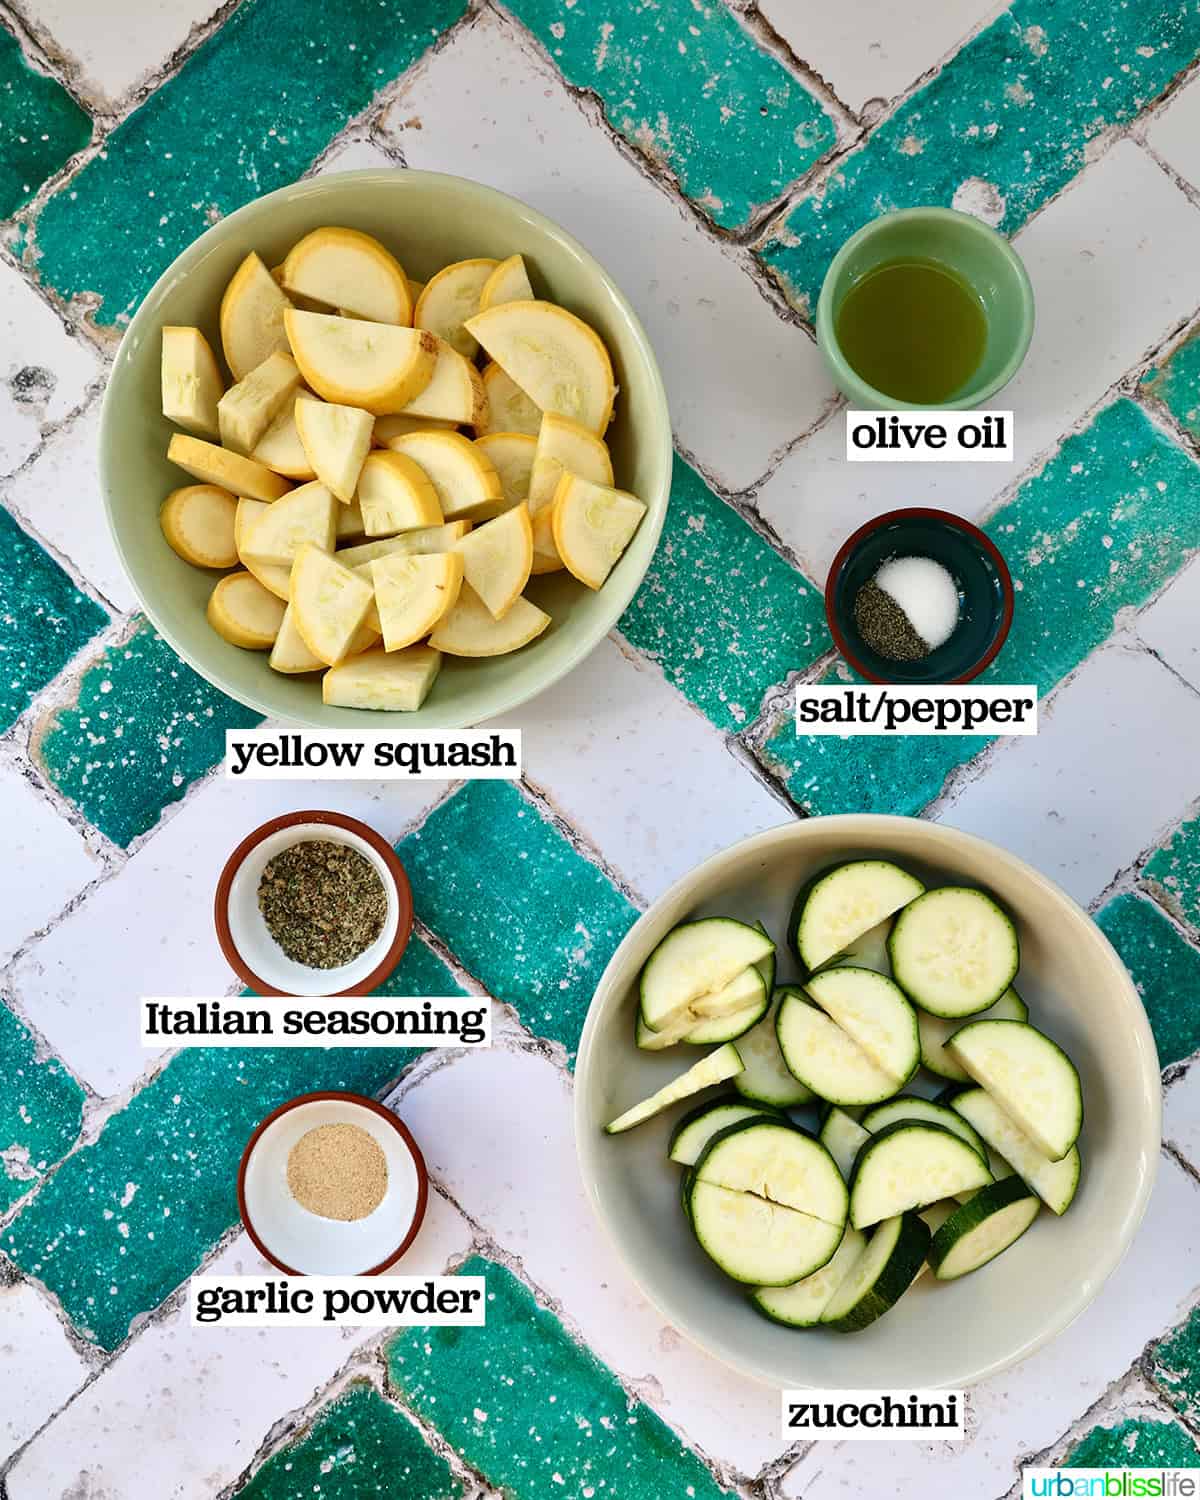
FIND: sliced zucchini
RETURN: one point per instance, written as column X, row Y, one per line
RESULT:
column 873, row 1012
column 910, row 1108
column 935, row 1032
column 693, row 961
column 868, row 951
column 934, row 1217
column 753, row 1241
column 909, row 1165
column 694, row 1131
column 777, row 1161
column 1030, row 1077
column 715, row 1068
column 765, row 1076
column 1055, row 1182
column 720, row 1017
column 953, row 951
column 842, row 904
column 843, row 1137
column 801, row 1304
column 979, row 1230
column 827, row 1061
column 881, row 1275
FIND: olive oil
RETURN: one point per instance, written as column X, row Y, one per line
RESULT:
column 912, row 330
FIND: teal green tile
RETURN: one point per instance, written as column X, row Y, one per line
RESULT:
column 44, row 619
column 1174, row 872
column 1135, row 1443
column 1016, row 109
column 1176, row 383
column 721, row 611
column 517, row 904
column 1165, row 968
column 689, row 86
column 359, row 1446
column 535, row 1412
column 1174, row 1364
column 40, row 127
column 248, row 111
column 128, row 1218
column 41, row 1107
column 143, row 727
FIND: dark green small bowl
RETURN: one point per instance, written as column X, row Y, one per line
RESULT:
column 985, row 594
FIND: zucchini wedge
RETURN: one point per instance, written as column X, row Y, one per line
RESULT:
column 801, row 1304
column 838, row 906
column 982, row 1228
column 765, row 1078
column 868, row 951
column 694, row 961
column 953, row 951
column 827, row 1061
column 715, row 1068
column 873, row 1012
column 908, row 1165
column 694, row 1131
column 1030, row 1077
column 885, row 1270
column 935, row 1032
column 843, row 1137
column 908, row 1107
column 719, row 1017
column 1055, row 1182
column 779, row 1163
column 756, row 1242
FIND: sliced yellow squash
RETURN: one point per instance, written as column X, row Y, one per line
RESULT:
column 252, row 313
column 470, row 629
column 329, row 603
column 244, row 613
column 305, row 517
column 448, row 299
column 467, row 485
column 393, row 681
column 290, row 654
column 191, row 381
column 413, row 593
column 306, row 304
column 378, row 366
column 349, row 523
column 562, row 446
column 426, row 539
column 396, row 494
column 336, row 440
column 593, row 524
column 497, row 559
column 395, row 424
column 415, row 288
column 509, row 282
column 198, row 522
column 455, row 394
column 275, row 580
column 512, row 454
column 555, row 357
column 509, row 408
column 280, row 447
column 350, row 270
column 248, row 408
column 230, row 471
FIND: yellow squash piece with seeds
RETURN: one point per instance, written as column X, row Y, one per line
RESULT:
column 455, row 394
column 198, row 522
column 244, row 613
column 348, row 523
column 470, row 629
column 377, row 366
column 329, row 603
column 391, row 681
column 230, row 471
column 290, row 653
column 191, row 381
column 396, row 494
column 509, row 282
column 413, row 593
column 247, row 409
column 497, row 558
column 448, row 299
column 350, row 270
column 563, row 446
column 276, row 580
column 465, row 479
column 509, row 408
column 512, row 454
column 396, row 424
column 592, row 525
column 252, row 314
column 555, row 357
column 336, row 440
column 303, row 518
column 424, row 539
column 280, row 447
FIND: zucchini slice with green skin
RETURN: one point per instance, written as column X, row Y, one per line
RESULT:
column 766, row 965
column 868, row 951
column 953, row 951
column 756, row 1242
column 827, row 1061
column 843, row 1137
column 910, row 1108
column 934, row 1217
column 1030, row 1077
column 694, row 961
column 801, row 1304
column 728, row 1027
column 715, row 1068
column 872, row 1011
column 981, row 1229
column 908, row 1165
column 838, row 906
column 935, row 1032
column 779, row 1163
column 882, row 1274
column 694, row 1131
column 765, row 1078
column 1055, row 1182
column 724, row 1016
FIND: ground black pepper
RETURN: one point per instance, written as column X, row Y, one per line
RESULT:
column 885, row 627
column 323, row 902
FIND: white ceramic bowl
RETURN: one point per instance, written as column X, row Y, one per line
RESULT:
column 304, row 1243
column 939, row 1334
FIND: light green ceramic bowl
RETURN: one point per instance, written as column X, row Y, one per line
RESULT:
column 428, row 220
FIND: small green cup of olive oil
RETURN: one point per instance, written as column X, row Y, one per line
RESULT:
column 925, row 308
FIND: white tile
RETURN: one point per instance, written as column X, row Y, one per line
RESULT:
column 740, row 380
column 59, row 495
column 1175, row 133
column 53, row 861
column 183, row 1410
column 39, row 1369
column 44, row 371
column 873, row 49
column 1065, row 798
column 1025, row 1409
column 148, row 930
column 1112, row 263
column 1181, row 1115
column 527, row 1194
column 118, row 44
column 1169, row 625
column 638, row 772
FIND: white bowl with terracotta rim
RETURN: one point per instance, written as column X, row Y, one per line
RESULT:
column 242, row 932
column 301, row 1243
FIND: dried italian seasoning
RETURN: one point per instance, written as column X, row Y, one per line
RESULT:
column 323, row 903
